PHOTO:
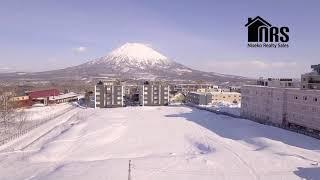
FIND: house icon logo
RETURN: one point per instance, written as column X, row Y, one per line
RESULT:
column 261, row 33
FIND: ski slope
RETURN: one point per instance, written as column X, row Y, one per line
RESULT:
column 168, row 143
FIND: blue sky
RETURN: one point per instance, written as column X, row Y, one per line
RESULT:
column 206, row 35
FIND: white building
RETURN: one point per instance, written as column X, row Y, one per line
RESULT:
column 281, row 103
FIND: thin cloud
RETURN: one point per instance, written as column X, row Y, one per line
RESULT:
column 256, row 68
column 80, row 49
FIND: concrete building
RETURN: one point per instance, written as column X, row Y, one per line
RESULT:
column 263, row 104
column 154, row 94
column 311, row 80
column 282, row 105
column 109, row 94
column 231, row 97
column 199, row 98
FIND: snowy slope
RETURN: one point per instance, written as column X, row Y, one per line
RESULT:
column 164, row 143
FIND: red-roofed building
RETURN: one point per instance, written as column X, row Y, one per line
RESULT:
column 42, row 96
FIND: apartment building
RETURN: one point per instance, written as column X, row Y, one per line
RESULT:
column 230, row 97
column 311, row 80
column 199, row 98
column 154, row 94
column 109, row 94
column 282, row 104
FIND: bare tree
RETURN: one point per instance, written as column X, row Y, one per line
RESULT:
column 7, row 109
column 21, row 118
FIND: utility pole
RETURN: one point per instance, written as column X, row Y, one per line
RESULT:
column 129, row 170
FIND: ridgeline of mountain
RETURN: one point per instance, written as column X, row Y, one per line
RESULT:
column 130, row 61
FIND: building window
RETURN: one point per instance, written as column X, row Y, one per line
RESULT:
column 119, row 102
column 315, row 99
column 145, row 92
column 145, row 102
column 145, row 88
column 296, row 97
column 108, row 88
column 305, row 98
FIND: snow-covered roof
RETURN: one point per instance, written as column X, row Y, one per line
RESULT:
column 63, row 96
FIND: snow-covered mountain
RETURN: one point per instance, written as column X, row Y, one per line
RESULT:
column 136, row 55
column 132, row 57
column 135, row 61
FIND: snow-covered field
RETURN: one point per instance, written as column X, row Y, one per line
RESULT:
column 226, row 107
column 41, row 112
column 163, row 143
column 27, row 118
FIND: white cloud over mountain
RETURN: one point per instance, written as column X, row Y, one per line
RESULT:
column 256, row 68
column 79, row 49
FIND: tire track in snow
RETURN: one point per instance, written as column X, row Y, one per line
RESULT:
column 238, row 156
column 200, row 131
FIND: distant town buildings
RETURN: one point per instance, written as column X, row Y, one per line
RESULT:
column 280, row 82
column 230, row 97
column 185, row 88
column 311, row 80
column 229, row 94
column 199, row 98
column 280, row 102
column 44, row 97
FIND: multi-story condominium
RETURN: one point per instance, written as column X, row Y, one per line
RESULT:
column 199, row 98
column 311, row 80
column 231, row 97
column 154, row 94
column 109, row 94
column 282, row 105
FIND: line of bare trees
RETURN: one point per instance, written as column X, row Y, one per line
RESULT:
column 9, row 114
